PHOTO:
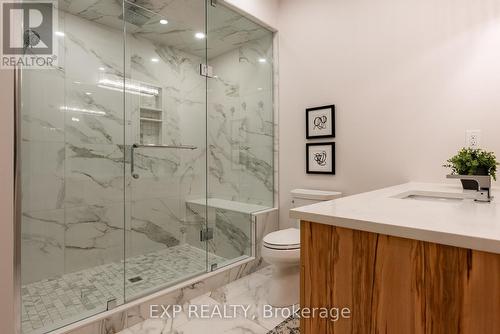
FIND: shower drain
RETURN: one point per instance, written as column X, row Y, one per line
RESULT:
column 135, row 279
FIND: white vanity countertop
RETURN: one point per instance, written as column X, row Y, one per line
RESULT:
column 461, row 223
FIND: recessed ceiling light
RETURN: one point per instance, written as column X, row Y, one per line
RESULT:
column 102, row 68
column 88, row 93
column 262, row 60
column 59, row 33
column 199, row 35
column 163, row 21
column 155, row 60
column 77, row 82
column 75, row 119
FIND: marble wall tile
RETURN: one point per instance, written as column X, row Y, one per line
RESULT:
column 159, row 173
column 232, row 234
column 257, row 73
column 43, row 183
column 232, row 231
column 98, row 12
column 240, row 126
column 93, row 236
column 93, row 46
column 41, row 117
column 93, row 115
column 43, row 245
column 192, row 175
column 155, row 224
column 93, row 174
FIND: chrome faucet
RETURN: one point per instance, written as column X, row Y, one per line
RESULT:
column 483, row 184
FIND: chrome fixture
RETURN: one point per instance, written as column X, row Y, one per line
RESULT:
column 483, row 184
column 136, row 146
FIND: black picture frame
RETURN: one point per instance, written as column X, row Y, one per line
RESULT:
column 308, row 168
column 331, row 109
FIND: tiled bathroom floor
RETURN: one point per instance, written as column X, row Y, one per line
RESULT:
column 251, row 290
column 49, row 303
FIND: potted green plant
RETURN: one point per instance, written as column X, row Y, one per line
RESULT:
column 473, row 161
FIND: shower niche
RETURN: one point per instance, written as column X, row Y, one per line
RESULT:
column 151, row 117
column 129, row 93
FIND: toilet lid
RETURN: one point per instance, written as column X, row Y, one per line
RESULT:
column 283, row 239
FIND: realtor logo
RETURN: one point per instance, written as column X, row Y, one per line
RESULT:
column 28, row 39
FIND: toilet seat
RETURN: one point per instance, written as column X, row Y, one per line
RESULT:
column 288, row 239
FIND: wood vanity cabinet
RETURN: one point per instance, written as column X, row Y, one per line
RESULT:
column 396, row 285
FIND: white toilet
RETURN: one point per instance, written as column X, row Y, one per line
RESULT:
column 282, row 250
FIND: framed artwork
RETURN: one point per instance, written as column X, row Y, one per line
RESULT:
column 320, row 158
column 320, row 122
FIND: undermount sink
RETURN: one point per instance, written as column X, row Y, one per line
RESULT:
column 433, row 196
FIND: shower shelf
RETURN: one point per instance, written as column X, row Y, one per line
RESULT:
column 151, row 116
column 151, row 109
column 150, row 119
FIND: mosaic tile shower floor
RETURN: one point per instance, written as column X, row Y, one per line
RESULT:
column 51, row 302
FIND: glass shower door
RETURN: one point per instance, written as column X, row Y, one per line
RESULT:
column 240, row 131
column 143, row 154
column 72, row 174
column 166, row 146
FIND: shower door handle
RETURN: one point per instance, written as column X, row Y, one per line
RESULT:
column 132, row 162
column 136, row 146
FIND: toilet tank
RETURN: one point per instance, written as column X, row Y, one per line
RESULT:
column 302, row 197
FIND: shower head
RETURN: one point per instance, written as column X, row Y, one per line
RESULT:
column 136, row 15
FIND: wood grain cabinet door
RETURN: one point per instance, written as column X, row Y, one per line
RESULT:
column 395, row 285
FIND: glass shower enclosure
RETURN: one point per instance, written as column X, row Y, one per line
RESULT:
column 143, row 153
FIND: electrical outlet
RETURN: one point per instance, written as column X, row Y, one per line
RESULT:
column 473, row 138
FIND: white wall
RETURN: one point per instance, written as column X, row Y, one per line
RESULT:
column 407, row 77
